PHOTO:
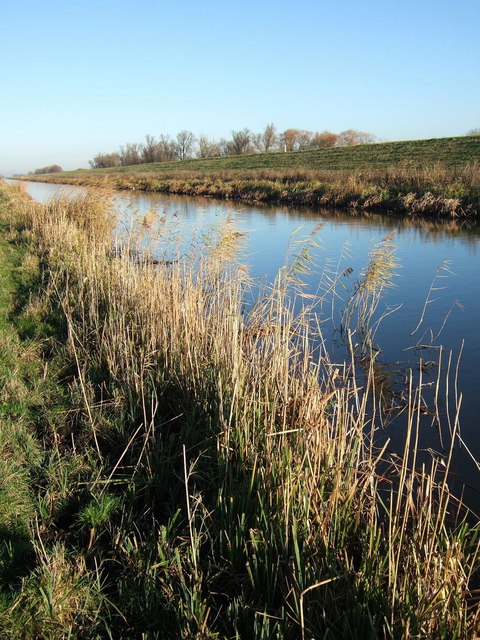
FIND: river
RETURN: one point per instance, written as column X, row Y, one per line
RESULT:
column 437, row 262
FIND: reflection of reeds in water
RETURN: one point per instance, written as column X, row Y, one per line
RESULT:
column 251, row 498
column 363, row 303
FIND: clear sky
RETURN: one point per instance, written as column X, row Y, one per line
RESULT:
column 80, row 77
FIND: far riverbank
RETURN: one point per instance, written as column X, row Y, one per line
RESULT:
column 434, row 178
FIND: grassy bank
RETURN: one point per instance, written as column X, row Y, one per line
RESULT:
column 30, row 405
column 439, row 177
column 212, row 474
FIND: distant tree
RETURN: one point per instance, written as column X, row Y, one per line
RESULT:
column 351, row 137
column 105, row 160
column 131, row 154
column 323, row 140
column 304, row 140
column 224, row 146
column 54, row 168
column 289, row 139
column 473, row 132
column 149, row 149
column 183, row 144
column 240, row 143
column 296, row 139
column 208, row 148
column 267, row 140
column 164, row 150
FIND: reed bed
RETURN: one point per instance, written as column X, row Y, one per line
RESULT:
column 215, row 475
column 414, row 190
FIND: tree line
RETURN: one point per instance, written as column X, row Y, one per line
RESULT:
column 187, row 145
column 53, row 168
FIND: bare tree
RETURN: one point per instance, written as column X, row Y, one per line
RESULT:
column 304, row 140
column 131, row 154
column 53, row 168
column 270, row 137
column 149, row 149
column 165, row 150
column 105, row 160
column 184, row 144
column 296, row 139
column 351, row 137
column 224, row 146
column 240, row 143
column 473, row 132
column 267, row 140
column 208, row 148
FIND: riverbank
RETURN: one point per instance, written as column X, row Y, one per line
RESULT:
column 438, row 178
column 204, row 477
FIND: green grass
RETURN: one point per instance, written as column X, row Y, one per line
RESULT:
column 20, row 393
column 450, row 153
column 33, row 410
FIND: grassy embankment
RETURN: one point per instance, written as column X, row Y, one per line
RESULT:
column 438, row 177
column 172, row 468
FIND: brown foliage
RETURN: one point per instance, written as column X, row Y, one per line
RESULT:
column 54, row 168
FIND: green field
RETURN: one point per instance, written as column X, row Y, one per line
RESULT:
column 447, row 152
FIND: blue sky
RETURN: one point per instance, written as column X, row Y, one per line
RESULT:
column 82, row 77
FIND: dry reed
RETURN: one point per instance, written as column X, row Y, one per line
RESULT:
column 262, row 504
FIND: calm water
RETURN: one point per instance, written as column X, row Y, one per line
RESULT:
column 424, row 250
